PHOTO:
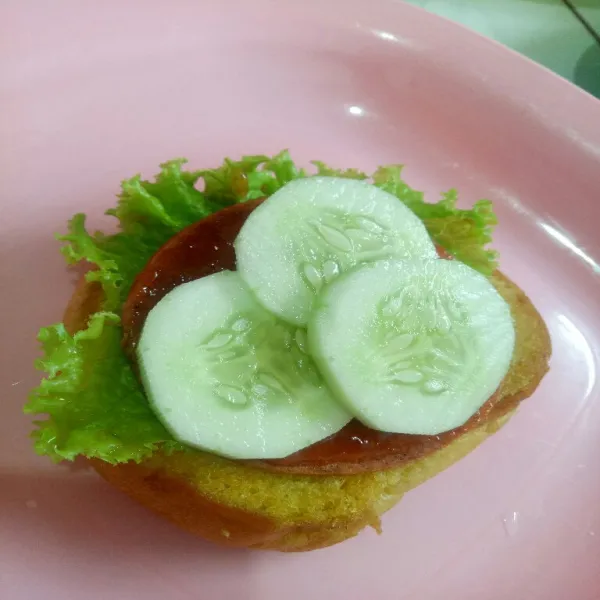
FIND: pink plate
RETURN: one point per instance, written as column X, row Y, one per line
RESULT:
column 92, row 92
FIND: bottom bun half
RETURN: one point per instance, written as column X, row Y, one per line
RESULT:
column 237, row 505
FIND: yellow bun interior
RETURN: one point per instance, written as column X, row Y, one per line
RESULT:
column 231, row 503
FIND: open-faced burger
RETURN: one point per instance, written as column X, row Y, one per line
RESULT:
column 271, row 361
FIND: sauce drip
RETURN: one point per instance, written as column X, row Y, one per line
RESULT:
column 206, row 247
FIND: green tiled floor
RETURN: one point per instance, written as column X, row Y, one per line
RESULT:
column 589, row 64
column 544, row 30
column 590, row 9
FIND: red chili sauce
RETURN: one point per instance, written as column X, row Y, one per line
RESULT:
column 206, row 247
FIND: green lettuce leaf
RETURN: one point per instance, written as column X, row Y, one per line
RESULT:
column 94, row 404
column 96, row 407
column 463, row 233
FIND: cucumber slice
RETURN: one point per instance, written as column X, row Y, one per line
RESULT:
column 313, row 229
column 412, row 346
column 225, row 375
